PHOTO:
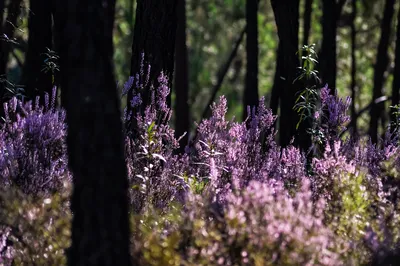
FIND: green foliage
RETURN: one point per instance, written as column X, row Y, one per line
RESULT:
column 50, row 63
column 153, row 244
column 307, row 98
column 40, row 226
column 395, row 125
column 12, row 89
column 241, row 236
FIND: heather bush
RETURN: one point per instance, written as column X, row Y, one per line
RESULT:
column 261, row 225
column 233, row 154
column 233, row 198
column 154, row 172
column 32, row 146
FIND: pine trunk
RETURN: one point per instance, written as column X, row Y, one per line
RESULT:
column 154, row 38
column 381, row 65
column 250, row 97
column 100, row 226
column 35, row 77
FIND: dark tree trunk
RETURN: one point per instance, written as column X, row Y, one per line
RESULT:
column 353, row 69
column 2, row 2
column 328, row 48
column 100, row 226
column 154, row 35
column 181, row 79
column 278, row 81
column 287, row 21
column 250, row 97
column 2, row 71
column 59, row 19
column 381, row 64
column 36, row 79
column 396, row 73
column 307, row 20
column 7, row 34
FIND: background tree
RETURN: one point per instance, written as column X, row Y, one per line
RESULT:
column 6, row 38
column 154, row 35
column 182, row 111
column 250, row 97
column 2, row 2
column 353, row 86
column 278, row 85
column 396, row 76
column 287, row 21
column 307, row 20
column 36, row 78
column 332, row 10
column 100, row 228
column 381, row 65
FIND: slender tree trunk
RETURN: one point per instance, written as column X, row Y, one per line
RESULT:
column 7, row 34
column 380, row 68
column 2, row 71
column 287, row 21
column 2, row 2
column 396, row 73
column 58, row 22
column 328, row 48
column 38, row 81
column 182, row 110
column 250, row 97
column 154, row 36
column 353, row 68
column 100, row 226
column 278, row 81
column 307, row 20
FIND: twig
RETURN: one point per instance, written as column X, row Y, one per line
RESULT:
column 224, row 69
column 366, row 108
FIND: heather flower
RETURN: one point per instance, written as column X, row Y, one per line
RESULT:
column 128, row 85
column 234, row 198
column 162, row 91
column 261, row 224
column 33, row 150
column 6, row 250
column 332, row 115
column 292, row 167
column 333, row 165
column 136, row 100
column 154, row 172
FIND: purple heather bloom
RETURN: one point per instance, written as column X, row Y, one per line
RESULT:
column 33, row 154
column 128, row 85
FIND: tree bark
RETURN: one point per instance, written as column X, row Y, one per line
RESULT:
column 36, row 80
column 381, row 64
column 279, row 84
column 328, row 47
column 287, row 21
column 250, row 97
column 353, row 68
column 396, row 74
column 100, row 226
column 2, row 2
column 7, row 34
column 307, row 20
column 154, row 36
column 182, row 110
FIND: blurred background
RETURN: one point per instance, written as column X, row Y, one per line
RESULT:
column 213, row 28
